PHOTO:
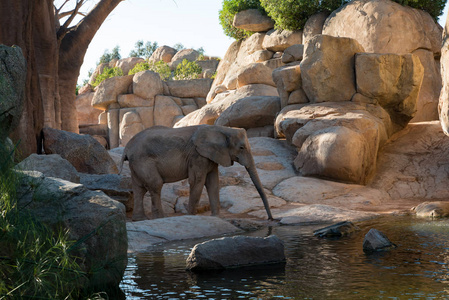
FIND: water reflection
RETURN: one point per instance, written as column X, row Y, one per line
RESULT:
column 315, row 269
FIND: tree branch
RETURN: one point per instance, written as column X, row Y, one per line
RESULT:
column 65, row 14
column 64, row 28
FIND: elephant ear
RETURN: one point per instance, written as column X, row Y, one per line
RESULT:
column 212, row 144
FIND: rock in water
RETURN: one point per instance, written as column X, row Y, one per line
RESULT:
column 436, row 209
column 376, row 241
column 337, row 230
column 235, row 251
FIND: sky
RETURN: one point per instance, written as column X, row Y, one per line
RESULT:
column 193, row 23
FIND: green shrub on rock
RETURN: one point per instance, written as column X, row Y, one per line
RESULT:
column 187, row 70
column 107, row 73
column 160, row 67
column 227, row 13
column 293, row 14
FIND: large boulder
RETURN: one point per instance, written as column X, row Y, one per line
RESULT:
column 392, row 80
column 287, row 79
column 51, row 165
column 93, row 220
column 165, row 111
column 109, row 89
column 313, row 26
column 255, row 73
column 414, row 164
column 147, row 84
column 82, row 151
column 126, row 64
column 164, row 53
column 278, row 40
column 190, row 88
column 337, row 140
column 293, row 53
column 238, row 251
column 12, row 88
column 132, row 100
column 86, row 114
column 116, row 186
column 383, row 26
column 251, row 112
column 210, row 112
column 327, row 69
column 130, row 125
column 252, row 20
column 189, row 54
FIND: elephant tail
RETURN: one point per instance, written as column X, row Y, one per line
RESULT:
column 124, row 157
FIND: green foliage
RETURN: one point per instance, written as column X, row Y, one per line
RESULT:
column 107, row 73
column 227, row 13
column 160, row 67
column 433, row 7
column 178, row 47
column 108, row 56
column 293, row 14
column 144, row 51
column 34, row 260
column 187, row 70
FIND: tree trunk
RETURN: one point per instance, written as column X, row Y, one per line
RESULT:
column 71, row 56
column 53, row 59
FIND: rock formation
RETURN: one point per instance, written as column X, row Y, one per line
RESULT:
column 132, row 103
column 91, row 218
column 383, row 26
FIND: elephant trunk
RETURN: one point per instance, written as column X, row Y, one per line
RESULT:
column 251, row 169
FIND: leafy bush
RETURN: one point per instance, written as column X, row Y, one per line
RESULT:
column 108, row 56
column 227, row 13
column 433, row 7
column 293, row 14
column 143, row 51
column 107, row 73
column 187, row 70
column 160, row 67
column 34, row 260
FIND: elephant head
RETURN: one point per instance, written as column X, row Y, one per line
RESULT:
column 225, row 145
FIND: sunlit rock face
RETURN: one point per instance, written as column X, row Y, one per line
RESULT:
column 384, row 26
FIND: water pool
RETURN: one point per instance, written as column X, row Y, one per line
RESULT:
column 316, row 268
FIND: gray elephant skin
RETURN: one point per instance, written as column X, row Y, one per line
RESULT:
column 161, row 155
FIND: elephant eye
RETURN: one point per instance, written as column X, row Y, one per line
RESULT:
column 242, row 147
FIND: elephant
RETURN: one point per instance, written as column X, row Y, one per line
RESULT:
column 159, row 155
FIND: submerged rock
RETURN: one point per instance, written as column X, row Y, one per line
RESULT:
column 337, row 230
column 376, row 241
column 235, row 252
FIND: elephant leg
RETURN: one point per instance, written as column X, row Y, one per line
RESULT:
column 212, row 185
column 196, row 182
column 138, row 194
column 156, row 204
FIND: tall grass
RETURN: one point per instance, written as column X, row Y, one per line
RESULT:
column 34, row 260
